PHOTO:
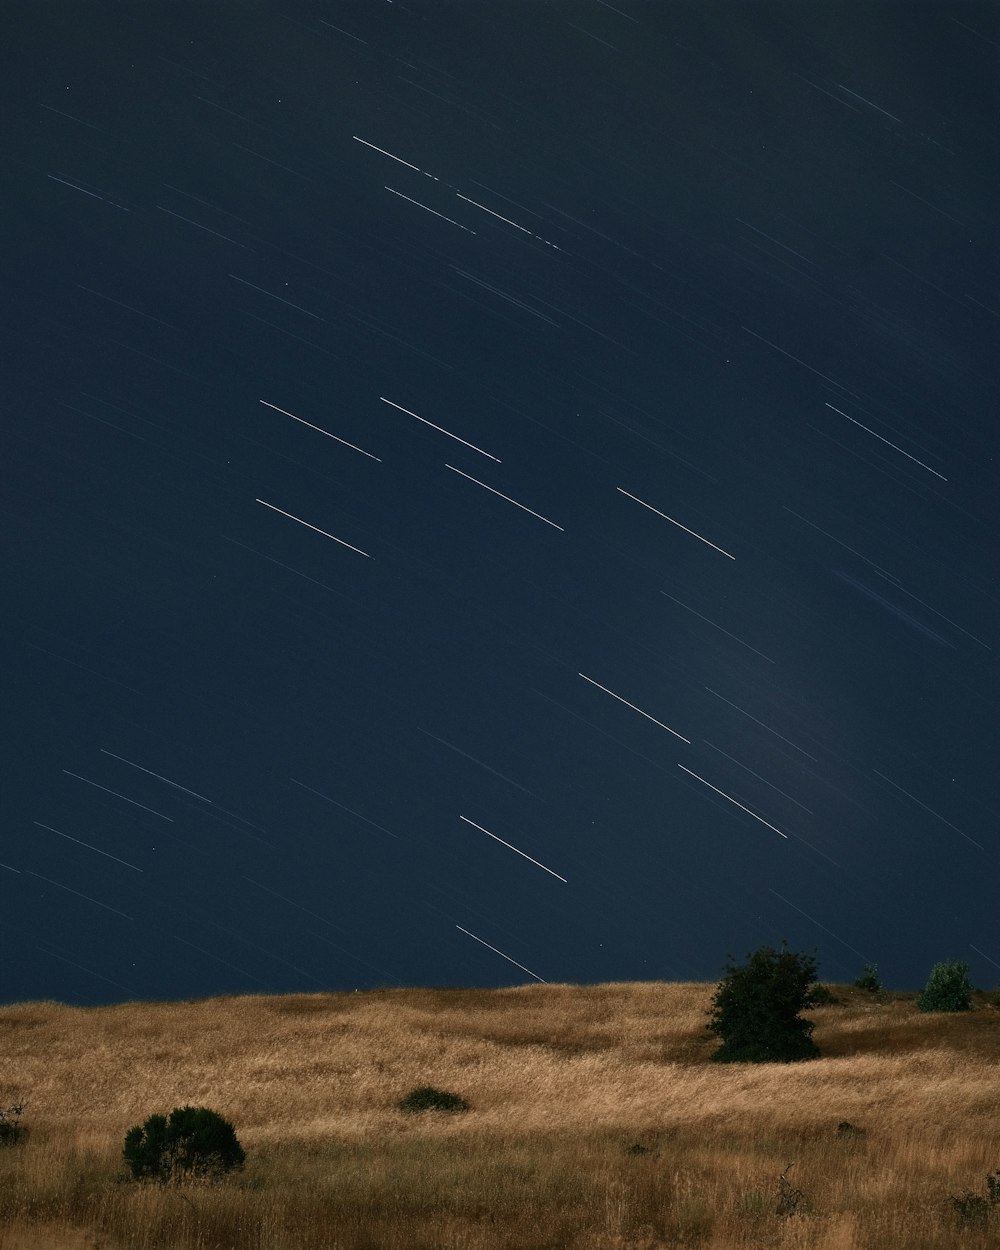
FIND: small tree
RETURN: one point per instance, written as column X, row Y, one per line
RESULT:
column 869, row 979
column 756, row 1009
column 194, row 1141
column 948, row 988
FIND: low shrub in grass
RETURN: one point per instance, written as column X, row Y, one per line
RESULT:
column 974, row 1209
column 193, row 1142
column 948, row 988
column 11, row 1128
column 427, row 1098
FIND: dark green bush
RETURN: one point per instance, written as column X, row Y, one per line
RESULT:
column 11, row 1128
column 192, row 1142
column 948, row 988
column 756, row 1009
column 869, row 979
column 822, row 996
column 427, row 1098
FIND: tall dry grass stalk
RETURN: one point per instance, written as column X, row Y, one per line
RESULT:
column 597, row 1122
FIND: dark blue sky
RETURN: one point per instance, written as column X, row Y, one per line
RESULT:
column 568, row 422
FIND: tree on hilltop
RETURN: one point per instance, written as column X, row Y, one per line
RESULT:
column 756, row 1008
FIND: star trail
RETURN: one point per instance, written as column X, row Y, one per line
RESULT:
column 520, row 472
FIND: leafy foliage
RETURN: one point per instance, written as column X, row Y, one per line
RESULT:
column 948, row 988
column 427, row 1098
column 869, row 979
column 756, row 1008
column 193, row 1142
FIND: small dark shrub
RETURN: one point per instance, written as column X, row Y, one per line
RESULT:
column 192, row 1142
column 974, row 1209
column 637, row 1148
column 846, row 1129
column 11, row 1128
column 427, row 1098
column 948, row 988
column 756, row 1009
column 788, row 1198
column 869, row 979
column 822, row 996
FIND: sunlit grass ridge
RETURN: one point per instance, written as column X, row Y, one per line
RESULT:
column 563, row 1082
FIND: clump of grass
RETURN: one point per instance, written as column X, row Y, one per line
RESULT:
column 788, row 1197
column 427, row 1098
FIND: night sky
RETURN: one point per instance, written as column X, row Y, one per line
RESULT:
column 497, row 491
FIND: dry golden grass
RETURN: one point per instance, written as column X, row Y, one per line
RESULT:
column 565, row 1084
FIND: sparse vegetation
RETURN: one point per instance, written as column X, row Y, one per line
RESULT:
column 11, row 1128
column 427, row 1098
column 869, row 979
column 193, row 1143
column 974, row 1209
column 948, row 988
column 597, row 1121
column 756, row 1008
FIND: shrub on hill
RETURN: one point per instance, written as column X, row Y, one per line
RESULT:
column 869, row 979
column 756, row 1008
column 427, row 1098
column 192, row 1142
column 948, row 988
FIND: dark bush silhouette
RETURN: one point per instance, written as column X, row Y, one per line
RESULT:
column 948, row 988
column 756, row 1009
column 427, row 1098
column 11, row 1128
column 869, row 979
column 193, row 1142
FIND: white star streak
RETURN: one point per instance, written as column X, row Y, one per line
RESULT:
column 507, row 497
column 634, row 708
column 440, row 429
column 677, row 523
column 430, row 210
column 491, row 212
column 928, row 809
column 87, row 845
column 732, row 800
column 320, row 431
column 817, row 923
column 887, row 443
column 389, row 154
column 118, row 796
column 77, row 893
column 536, row 862
column 313, row 527
column 193, row 793
column 502, row 955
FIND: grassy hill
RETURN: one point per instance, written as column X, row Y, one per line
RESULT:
column 597, row 1121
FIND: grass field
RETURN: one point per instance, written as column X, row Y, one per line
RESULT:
column 597, row 1122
